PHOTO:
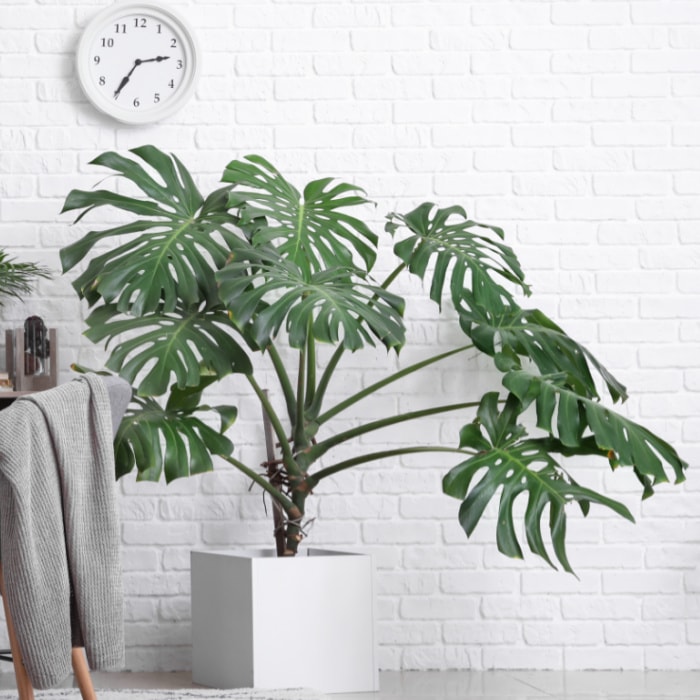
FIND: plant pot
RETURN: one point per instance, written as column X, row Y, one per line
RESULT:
column 266, row 622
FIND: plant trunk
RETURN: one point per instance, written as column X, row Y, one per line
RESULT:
column 275, row 477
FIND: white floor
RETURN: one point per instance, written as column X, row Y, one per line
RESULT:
column 471, row 685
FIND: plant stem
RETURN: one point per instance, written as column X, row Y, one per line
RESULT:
column 287, row 453
column 289, row 506
column 388, row 281
column 363, row 459
column 322, row 447
column 325, row 380
column 299, row 436
column 310, row 369
column 285, row 382
column 275, row 478
column 387, row 380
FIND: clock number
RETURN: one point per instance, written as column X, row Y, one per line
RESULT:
column 96, row 60
column 137, row 102
column 159, row 28
column 173, row 43
column 156, row 97
column 102, row 80
column 140, row 22
column 171, row 84
column 179, row 64
column 120, row 28
column 107, row 43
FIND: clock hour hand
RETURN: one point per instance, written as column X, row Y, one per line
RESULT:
column 137, row 63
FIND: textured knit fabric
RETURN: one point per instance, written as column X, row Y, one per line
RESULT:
column 59, row 528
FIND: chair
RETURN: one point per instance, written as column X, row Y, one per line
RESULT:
column 119, row 394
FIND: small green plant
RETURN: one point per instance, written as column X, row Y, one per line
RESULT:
column 195, row 286
column 17, row 278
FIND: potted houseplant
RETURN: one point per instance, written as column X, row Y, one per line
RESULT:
column 17, row 281
column 199, row 285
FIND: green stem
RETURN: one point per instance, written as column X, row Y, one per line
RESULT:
column 285, row 382
column 289, row 506
column 389, row 280
column 310, row 369
column 363, row 459
column 322, row 447
column 287, row 453
column 299, row 436
column 325, row 381
column 387, row 380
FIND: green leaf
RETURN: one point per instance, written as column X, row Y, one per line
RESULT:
column 514, row 464
column 182, row 239
column 17, row 278
column 270, row 292
column 625, row 442
column 452, row 241
column 501, row 329
column 187, row 345
column 168, row 441
column 313, row 229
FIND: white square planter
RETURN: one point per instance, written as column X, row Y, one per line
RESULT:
column 259, row 621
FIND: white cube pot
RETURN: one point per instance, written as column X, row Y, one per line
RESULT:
column 259, row 621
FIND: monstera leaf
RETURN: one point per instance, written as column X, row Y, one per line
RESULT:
column 183, row 238
column 509, row 461
column 171, row 440
column 159, row 346
column 506, row 332
column 451, row 240
column 625, row 442
column 311, row 229
column 269, row 291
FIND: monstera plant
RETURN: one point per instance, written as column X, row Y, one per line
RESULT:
column 189, row 288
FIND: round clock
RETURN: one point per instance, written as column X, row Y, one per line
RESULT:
column 137, row 62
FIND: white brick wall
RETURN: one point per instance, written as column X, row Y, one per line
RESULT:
column 574, row 125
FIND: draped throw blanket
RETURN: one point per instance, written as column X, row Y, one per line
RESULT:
column 59, row 529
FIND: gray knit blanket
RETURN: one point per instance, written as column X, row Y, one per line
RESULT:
column 59, row 529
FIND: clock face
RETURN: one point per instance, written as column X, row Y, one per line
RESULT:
column 137, row 62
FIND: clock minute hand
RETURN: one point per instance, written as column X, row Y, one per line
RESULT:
column 157, row 58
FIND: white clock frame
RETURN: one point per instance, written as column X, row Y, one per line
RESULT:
column 103, row 102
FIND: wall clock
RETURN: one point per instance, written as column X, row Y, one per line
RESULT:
column 138, row 62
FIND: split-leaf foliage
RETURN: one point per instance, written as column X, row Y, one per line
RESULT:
column 188, row 288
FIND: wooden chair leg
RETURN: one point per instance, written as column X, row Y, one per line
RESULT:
column 24, row 685
column 82, row 674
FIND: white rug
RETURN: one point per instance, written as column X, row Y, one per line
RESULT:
column 185, row 693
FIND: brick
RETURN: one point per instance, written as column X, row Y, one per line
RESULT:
column 657, row 13
column 548, row 38
column 627, row 37
column 590, row 13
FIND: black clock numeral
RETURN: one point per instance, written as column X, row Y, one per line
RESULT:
column 159, row 28
column 102, row 80
column 156, row 97
column 107, row 43
column 96, row 60
column 173, row 43
column 179, row 64
column 120, row 28
column 136, row 102
column 171, row 84
column 141, row 22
